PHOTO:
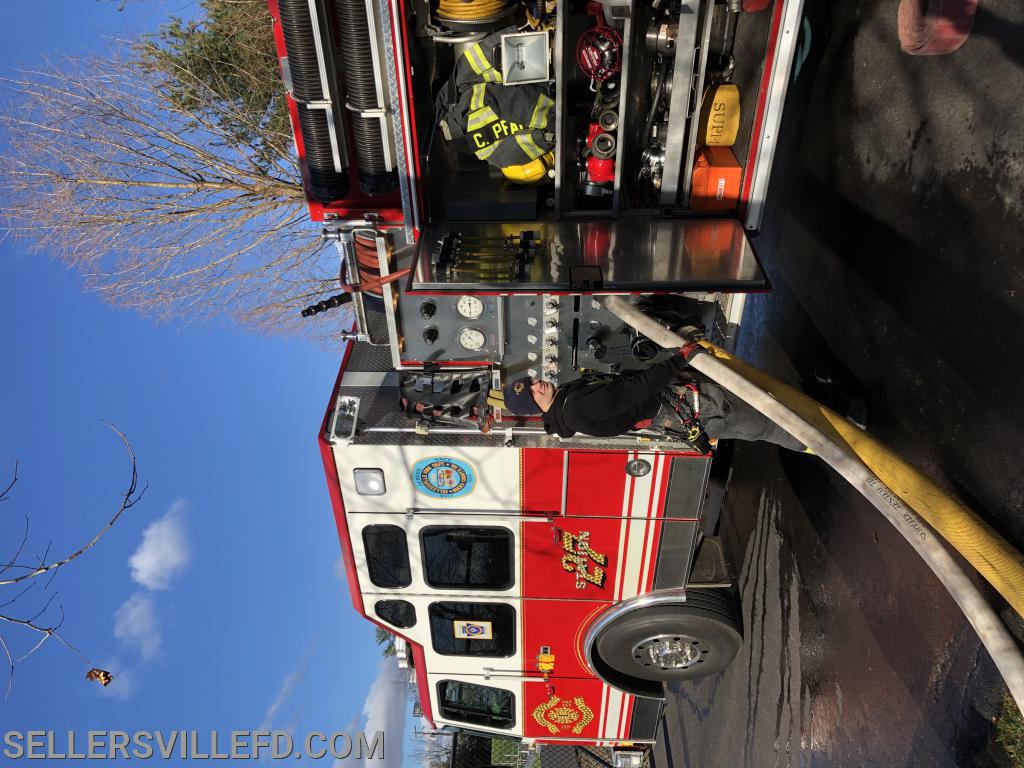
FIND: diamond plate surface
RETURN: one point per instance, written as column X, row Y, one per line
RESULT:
column 752, row 30
column 366, row 357
column 398, row 115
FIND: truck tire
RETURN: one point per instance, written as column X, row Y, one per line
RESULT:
column 667, row 643
column 934, row 27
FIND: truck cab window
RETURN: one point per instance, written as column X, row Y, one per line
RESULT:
column 467, row 558
column 397, row 613
column 476, row 704
column 473, row 629
column 387, row 556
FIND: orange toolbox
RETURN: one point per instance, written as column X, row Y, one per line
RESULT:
column 716, row 180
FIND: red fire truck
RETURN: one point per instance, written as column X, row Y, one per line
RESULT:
column 546, row 588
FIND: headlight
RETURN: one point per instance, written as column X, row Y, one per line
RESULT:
column 634, row 468
column 369, row 482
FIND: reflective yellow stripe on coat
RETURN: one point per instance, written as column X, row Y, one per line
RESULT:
column 475, row 56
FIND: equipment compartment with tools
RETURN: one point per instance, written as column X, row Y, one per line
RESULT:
column 473, row 110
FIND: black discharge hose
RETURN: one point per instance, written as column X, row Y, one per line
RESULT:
column 659, row 89
column 361, row 92
column 326, row 184
column 297, row 25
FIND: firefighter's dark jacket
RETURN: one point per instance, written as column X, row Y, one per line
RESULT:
column 605, row 407
column 506, row 125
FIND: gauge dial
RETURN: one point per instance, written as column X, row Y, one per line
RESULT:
column 471, row 339
column 469, row 307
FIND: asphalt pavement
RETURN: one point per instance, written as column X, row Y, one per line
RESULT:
column 893, row 239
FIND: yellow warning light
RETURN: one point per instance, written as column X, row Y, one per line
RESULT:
column 546, row 659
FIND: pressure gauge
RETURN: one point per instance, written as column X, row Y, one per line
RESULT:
column 471, row 339
column 469, row 307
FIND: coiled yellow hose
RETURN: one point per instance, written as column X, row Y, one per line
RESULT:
column 471, row 10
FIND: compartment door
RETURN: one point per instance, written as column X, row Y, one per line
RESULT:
column 586, row 256
column 604, row 545
column 573, row 704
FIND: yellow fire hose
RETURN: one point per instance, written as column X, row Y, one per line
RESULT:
column 985, row 549
column 892, row 486
column 470, row 10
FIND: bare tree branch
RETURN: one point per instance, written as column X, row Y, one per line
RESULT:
column 10, row 668
column 128, row 501
column 12, row 561
column 14, row 479
column 45, row 623
column 179, row 207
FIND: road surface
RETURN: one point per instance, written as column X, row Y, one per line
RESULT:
column 893, row 239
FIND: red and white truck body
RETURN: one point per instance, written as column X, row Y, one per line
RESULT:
column 570, row 534
column 510, row 561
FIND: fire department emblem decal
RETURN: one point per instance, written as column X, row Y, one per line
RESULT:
column 443, row 477
column 518, row 387
column 557, row 715
column 580, row 559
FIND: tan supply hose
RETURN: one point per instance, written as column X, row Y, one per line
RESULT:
column 885, row 481
column 984, row 548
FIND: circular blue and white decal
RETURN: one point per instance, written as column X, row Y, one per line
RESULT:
column 443, row 477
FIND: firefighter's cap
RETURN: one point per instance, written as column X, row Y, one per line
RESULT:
column 519, row 398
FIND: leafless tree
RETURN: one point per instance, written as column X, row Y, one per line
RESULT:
column 431, row 749
column 30, row 612
column 179, row 208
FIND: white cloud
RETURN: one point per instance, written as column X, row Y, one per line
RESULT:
column 283, row 694
column 386, row 709
column 135, row 624
column 160, row 556
column 163, row 552
column 123, row 685
column 339, row 569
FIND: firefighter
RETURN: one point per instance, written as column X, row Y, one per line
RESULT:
column 667, row 393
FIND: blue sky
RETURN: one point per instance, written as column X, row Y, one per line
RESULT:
column 217, row 601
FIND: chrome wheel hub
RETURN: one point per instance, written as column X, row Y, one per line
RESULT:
column 668, row 652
